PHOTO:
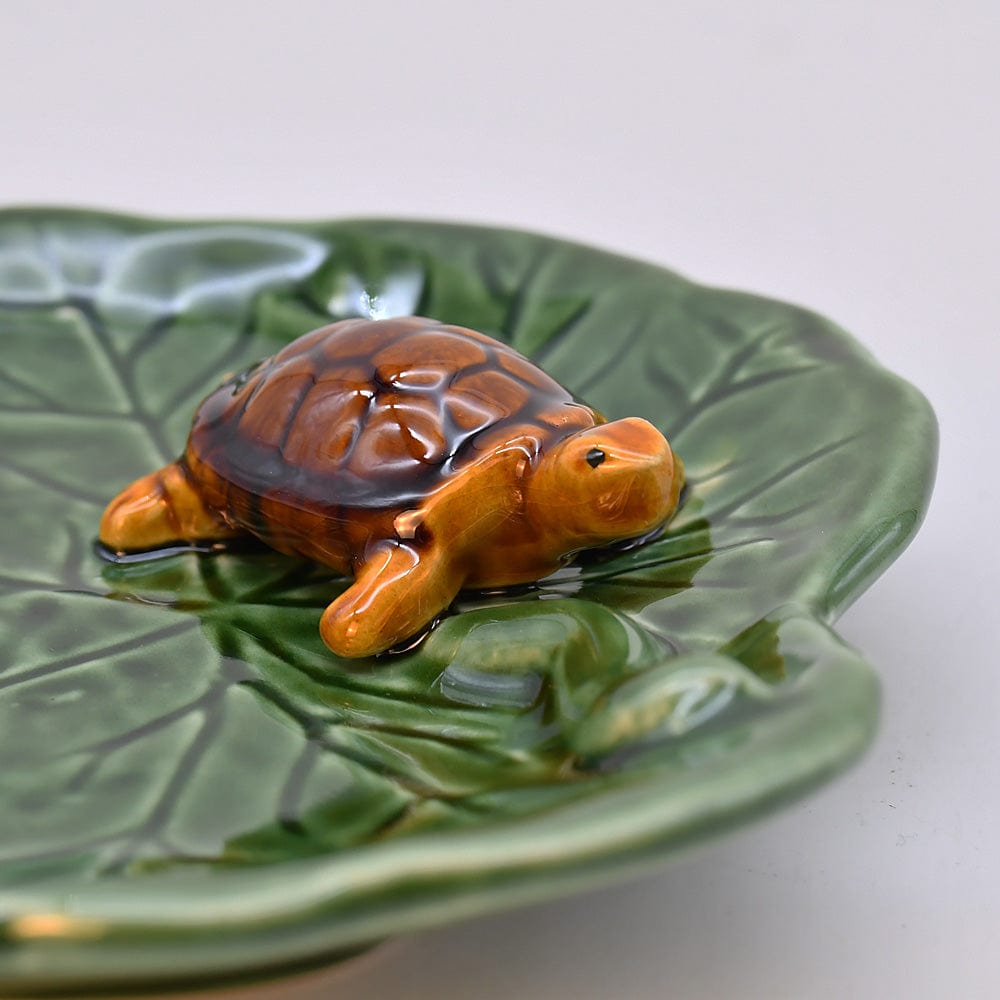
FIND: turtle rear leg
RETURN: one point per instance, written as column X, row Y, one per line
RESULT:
column 397, row 592
column 159, row 509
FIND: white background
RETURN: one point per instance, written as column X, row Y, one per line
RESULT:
column 841, row 155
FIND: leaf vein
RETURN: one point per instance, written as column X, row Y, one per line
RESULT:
column 48, row 483
column 758, row 489
column 111, row 649
column 125, row 377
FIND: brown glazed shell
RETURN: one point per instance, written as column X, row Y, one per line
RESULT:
column 318, row 448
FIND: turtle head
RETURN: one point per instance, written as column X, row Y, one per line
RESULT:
column 606, row 483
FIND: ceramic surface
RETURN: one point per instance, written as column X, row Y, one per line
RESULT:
column 193, row 788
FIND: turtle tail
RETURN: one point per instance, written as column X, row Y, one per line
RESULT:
column 159, row 509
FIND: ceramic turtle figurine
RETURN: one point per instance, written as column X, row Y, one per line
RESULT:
column 421, row 457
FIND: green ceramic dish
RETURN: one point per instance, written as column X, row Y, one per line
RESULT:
column 193, row 788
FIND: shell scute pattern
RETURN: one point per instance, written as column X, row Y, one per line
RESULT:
column 276, row 400
column 340, row 411
column 401, row 400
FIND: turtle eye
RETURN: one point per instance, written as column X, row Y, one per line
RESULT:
column 594, row 457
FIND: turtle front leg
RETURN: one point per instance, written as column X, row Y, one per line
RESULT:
column 397, row 591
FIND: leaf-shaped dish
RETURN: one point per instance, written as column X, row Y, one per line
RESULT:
column 192, row 787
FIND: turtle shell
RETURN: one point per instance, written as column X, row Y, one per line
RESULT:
column 375, row 414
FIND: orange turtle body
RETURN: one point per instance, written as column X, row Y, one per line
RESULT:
column 420, row 457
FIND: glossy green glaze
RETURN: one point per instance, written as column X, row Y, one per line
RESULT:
column 192, row 787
